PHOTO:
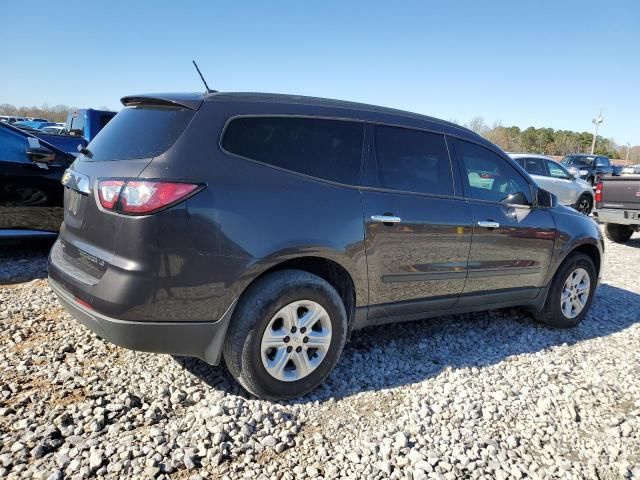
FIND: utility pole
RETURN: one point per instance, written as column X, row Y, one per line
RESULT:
column 626, row 162
column 596, row 121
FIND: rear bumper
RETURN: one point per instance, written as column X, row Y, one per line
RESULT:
column 618, row 216
column 203, row 340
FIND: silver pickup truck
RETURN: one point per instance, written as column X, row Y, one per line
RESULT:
column 618, row 206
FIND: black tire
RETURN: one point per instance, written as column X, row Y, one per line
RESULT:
column 584, row 204
column 257, row 306
column 552, row 312
column 618, row 233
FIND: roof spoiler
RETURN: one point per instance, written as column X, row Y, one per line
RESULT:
column 168, row 100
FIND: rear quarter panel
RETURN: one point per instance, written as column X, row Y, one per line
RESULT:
column 252, row 216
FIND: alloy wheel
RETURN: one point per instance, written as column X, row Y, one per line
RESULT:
column 296, row 340
column 575, row 293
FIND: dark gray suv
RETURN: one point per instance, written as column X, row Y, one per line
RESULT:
column 266, row 228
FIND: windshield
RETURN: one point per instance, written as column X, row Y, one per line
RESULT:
column 139, row 132
column 580, row 161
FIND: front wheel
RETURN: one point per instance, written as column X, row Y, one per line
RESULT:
column 618, row 233
column 571, row 292
column 286, row 335
column 584, row 204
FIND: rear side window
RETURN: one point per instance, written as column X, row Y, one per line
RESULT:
column 328, row 149
column 535, row 166
column 413, row 161
column 139, row 132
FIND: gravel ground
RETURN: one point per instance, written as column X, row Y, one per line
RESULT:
column 492, row 395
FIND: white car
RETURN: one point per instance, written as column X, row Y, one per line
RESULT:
column 554, row 178
column 631, row 170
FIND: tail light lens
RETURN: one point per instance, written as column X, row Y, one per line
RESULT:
column 599, row 192
column 141, row 197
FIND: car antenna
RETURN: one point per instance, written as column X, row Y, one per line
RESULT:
column 203, row 80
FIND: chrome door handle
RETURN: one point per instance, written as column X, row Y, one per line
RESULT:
column 385, row 219
column 489, row 224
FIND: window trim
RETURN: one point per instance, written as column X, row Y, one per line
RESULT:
column 505, row 160
column 282, row 169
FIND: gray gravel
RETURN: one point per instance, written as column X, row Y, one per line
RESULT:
column 490, row 395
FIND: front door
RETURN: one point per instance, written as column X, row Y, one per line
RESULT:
column 418, row 232
column 512, row 240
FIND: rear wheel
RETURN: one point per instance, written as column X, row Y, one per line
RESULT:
column 584, row 204
column 618, row 233
column 571, row 292
column 286, row 335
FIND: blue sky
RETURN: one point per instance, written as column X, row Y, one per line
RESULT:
column 541, row 63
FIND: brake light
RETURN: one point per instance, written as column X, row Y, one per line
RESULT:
column 141, row 197
column 108, row 193
column 599, row 192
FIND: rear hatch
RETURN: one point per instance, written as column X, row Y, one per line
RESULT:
column 143, row 130
column 621, row 192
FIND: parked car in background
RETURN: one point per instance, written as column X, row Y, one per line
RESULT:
column 235, row 225
column 588, row 167
column 31, row 194
column 39, row 120
column 11, row 119
column 86, row 123
column 631, row 170
column 553, row 177
column 618, row 206
column 54, row 129
column 35, row 124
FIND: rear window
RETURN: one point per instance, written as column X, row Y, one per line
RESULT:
column 328, row 149
column 578, row 161
column 139, row 132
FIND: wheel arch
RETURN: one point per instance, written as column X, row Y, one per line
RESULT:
column 330, row 270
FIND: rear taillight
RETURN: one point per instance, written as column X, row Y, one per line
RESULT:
column 598, row 193
column 141, row 197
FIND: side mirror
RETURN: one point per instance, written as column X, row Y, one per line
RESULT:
column 40, row 154
column 517, row 198
column 546, row 199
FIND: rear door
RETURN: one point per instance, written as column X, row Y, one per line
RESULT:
column 417, row 229
column 122, row 149
column 512, row 241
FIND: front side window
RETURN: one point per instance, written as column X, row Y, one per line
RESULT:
column 557, row 171
column 328, row 149
column 413, row 161
column 487, row 176
column 602, row 162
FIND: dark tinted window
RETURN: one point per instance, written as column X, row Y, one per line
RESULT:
column 329, row 149
column 535, row 166
column 413, row 161
column 603, row 162
column 487, row 176
column 578, row 161
column 139, row 132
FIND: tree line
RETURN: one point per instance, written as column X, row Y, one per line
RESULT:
column 547, row 141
